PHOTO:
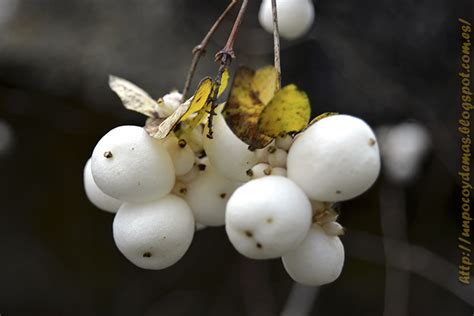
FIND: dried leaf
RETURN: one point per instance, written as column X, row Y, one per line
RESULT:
column 171, row 121
column 133, row 97
column 244, row 106
column 289, row 111
column 152, row 124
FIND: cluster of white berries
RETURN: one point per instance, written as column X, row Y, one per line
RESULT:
column 274, row 202
column 295, row 17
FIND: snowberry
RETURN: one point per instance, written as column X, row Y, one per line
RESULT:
column 181, row 154
column 335, row 159
column 194, row 138
column 267, row 217
column 284, row 142
column 154, row 235
column 295, row 17
column 190, row 176
column 227, row 153
column 207, row 195
column 95, row 195
column 171, row 102
column 131, row 166
column 277, row 157
column 260, row 170
column 318, row 260
column 278, row 171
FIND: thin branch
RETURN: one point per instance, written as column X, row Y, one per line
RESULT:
column 276, row 44
column 224, row 58
column 200, row 49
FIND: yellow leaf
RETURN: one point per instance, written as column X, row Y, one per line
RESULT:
column 200, row 98
column 322, row 116
column 288, row 111
column 244, row 106
column 264, row 83
column 224, row 82
column 201, row 114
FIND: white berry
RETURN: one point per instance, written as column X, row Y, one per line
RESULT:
column 277, row 157
column 295, row 17
column 181, row 154
column 154, row 235
column 207, row 195
column 335, row 159
column 226, row 152
column 131, row 166
column 267, row 217
column 317, row 261
column 95, row 195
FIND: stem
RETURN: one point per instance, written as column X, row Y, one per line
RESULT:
column 224, row 58
column 276, row 44
column 200, row 49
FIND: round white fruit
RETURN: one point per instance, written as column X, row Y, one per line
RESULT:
column 131, row 166
column 207, row 195
column 181, row 154
column 295, row 17
column 277, row 158
column 154, row 235
column 318, row 260
column 335, row 159
column 95, row 195
column 227, row 153
column 267, row 217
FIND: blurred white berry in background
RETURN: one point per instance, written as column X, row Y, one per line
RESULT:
column 317, row 261
column 403, row 148
column 95, row 195
column 227, row 153
column 131, row 166
column 267, row 217
column 335, row 159
column 154, row 235
column 295, row 17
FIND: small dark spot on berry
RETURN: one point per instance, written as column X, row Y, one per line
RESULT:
column 371, row 142
column 268, row 171
column 147, row 254
column 271, row 149
column 182, row 143
column 183, row 191
column 338, row 192
column 248, row 233
column 249, row 173
column 133, row 148
column 108, row 154
column 259, row 245
column 202, row 167
column 223, row 195
column 269, row 220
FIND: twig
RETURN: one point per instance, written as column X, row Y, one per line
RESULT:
column 276, row 44
column 224, row 58
column 200, row 49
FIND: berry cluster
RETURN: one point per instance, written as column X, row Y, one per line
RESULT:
column 274, row 202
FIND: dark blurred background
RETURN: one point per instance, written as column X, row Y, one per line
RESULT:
column 385, row 61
